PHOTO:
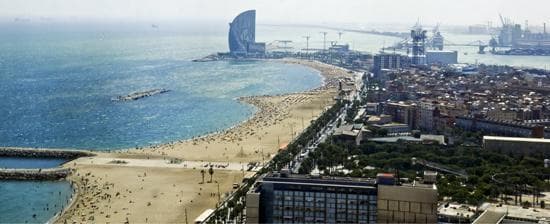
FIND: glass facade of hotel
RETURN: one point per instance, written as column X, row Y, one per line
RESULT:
column 242, row 32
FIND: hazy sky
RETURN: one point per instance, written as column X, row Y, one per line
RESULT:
column 447, row 12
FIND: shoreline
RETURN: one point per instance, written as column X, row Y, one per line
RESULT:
column 68, row 206
column 274, row 114
column 311, row 64
column 328, row 83
column 329, row 74
column 242, row 99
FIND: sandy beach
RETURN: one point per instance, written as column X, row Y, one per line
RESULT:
column 114, row 190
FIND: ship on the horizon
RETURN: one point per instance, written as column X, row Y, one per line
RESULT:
column 520, row 41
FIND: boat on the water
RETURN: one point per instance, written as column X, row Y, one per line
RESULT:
column 141, row 94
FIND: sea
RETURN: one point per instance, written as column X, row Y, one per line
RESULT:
column 58, row 81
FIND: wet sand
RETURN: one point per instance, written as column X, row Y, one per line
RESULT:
column 277, row 121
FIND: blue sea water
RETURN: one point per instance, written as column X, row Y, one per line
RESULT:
column 57, row 88
column 29, row 163
column 20, row 200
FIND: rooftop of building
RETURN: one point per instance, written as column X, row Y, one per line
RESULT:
column 429, row 172
column 394, row 139
column 501, row 122
column 417, row 184
column 518, row 212
column 402, row 104
column 456, row 210
column 319, row 180
column 516, row 139
column 392, row 124
column 441, row 51
column 437, row 138
column 334, row 181
column 390, row 53
column 350, row 129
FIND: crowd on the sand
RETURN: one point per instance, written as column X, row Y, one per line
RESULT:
column 95, row 191
column 269, row 112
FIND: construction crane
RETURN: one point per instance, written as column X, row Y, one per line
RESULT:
column 501, row 19
column 436, row 28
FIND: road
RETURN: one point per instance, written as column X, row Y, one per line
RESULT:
column 321, row 137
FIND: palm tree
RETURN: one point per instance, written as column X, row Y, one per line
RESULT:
column 211, row 172
column 202, row 173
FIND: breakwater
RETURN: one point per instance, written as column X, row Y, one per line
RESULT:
column 43, row 153
column 139, row 95
column 39, row 173
column 34, row 174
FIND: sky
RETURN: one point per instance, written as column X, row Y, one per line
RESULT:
column 447, row 12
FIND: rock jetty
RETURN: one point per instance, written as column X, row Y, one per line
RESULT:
column 34, row 174
column 43, row 153
column 141, row 94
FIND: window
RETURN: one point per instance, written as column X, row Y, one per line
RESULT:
column 320, row 195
